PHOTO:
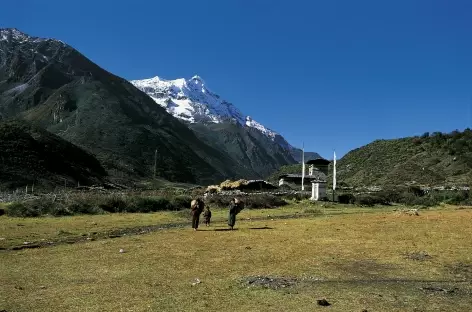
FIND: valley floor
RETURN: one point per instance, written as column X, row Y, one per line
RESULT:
column 357, row 259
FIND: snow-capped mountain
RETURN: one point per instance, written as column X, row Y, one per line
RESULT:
column 9, row 34
column 49, row 83
column 192, row 101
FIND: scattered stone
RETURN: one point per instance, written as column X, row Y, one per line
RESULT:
column 323, row 302
column 413, row 212
column 19, row 288
column 271, row 282
column 197, row 281
column 2, row 238
column 247, row 247
column 122, row 250
column 26, row 243
column 418, row 256
column 42, row 287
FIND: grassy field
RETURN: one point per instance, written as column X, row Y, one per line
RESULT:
column 355, row 258
column 17, row 231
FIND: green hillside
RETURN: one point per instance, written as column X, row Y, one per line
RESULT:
column 436, row 159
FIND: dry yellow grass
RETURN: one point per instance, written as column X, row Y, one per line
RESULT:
column 359, row 259
column 16, row 231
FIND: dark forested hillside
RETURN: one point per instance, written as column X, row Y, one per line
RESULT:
column 30, row 155
column 252, row 154
column 49, row 83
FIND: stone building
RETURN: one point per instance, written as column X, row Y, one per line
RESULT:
column 315, row 179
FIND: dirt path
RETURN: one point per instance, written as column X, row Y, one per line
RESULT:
column 138, row 230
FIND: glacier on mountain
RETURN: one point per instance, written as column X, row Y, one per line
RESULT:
column 192, row 101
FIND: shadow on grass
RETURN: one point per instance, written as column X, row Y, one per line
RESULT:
column 253, row 228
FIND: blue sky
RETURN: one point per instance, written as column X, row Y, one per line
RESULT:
column 332, row 74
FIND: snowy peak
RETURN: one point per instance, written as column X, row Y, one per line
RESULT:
column 197, row 80
column 192, row 101
column 13, row 34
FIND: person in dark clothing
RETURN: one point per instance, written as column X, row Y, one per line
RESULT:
column 197, row 206
column 235, row 207
column 207, row 215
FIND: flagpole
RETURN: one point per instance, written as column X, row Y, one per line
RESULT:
column 334, row 173
column 303, row 167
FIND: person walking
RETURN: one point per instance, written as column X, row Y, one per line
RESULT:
column 235, row 207
column 197, row 206
column 207, row 215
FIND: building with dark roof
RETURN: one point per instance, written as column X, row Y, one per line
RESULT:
column 316, row 178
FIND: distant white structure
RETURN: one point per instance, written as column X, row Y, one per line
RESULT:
column 316, row 178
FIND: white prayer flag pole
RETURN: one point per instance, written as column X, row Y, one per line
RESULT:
column 303, row 167
column 334, row 173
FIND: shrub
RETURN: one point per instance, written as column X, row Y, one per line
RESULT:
column 407, row 198
column 82, row 207
column 297, row 196
column 31, row 208
column 250, row 202
column 59, row 210
column 457, row 198
column 285, row 187
column 426, row 201
column 108, row 204
column 218, row 200
column 149, row 204
column 346, row 198
column 263, row 201
column 415, row 190
column 17, row 209
column 391, row 195
column 181, row 202
column 370, row 200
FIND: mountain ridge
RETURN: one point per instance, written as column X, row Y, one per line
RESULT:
column 192, row 101
column 51, row 84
